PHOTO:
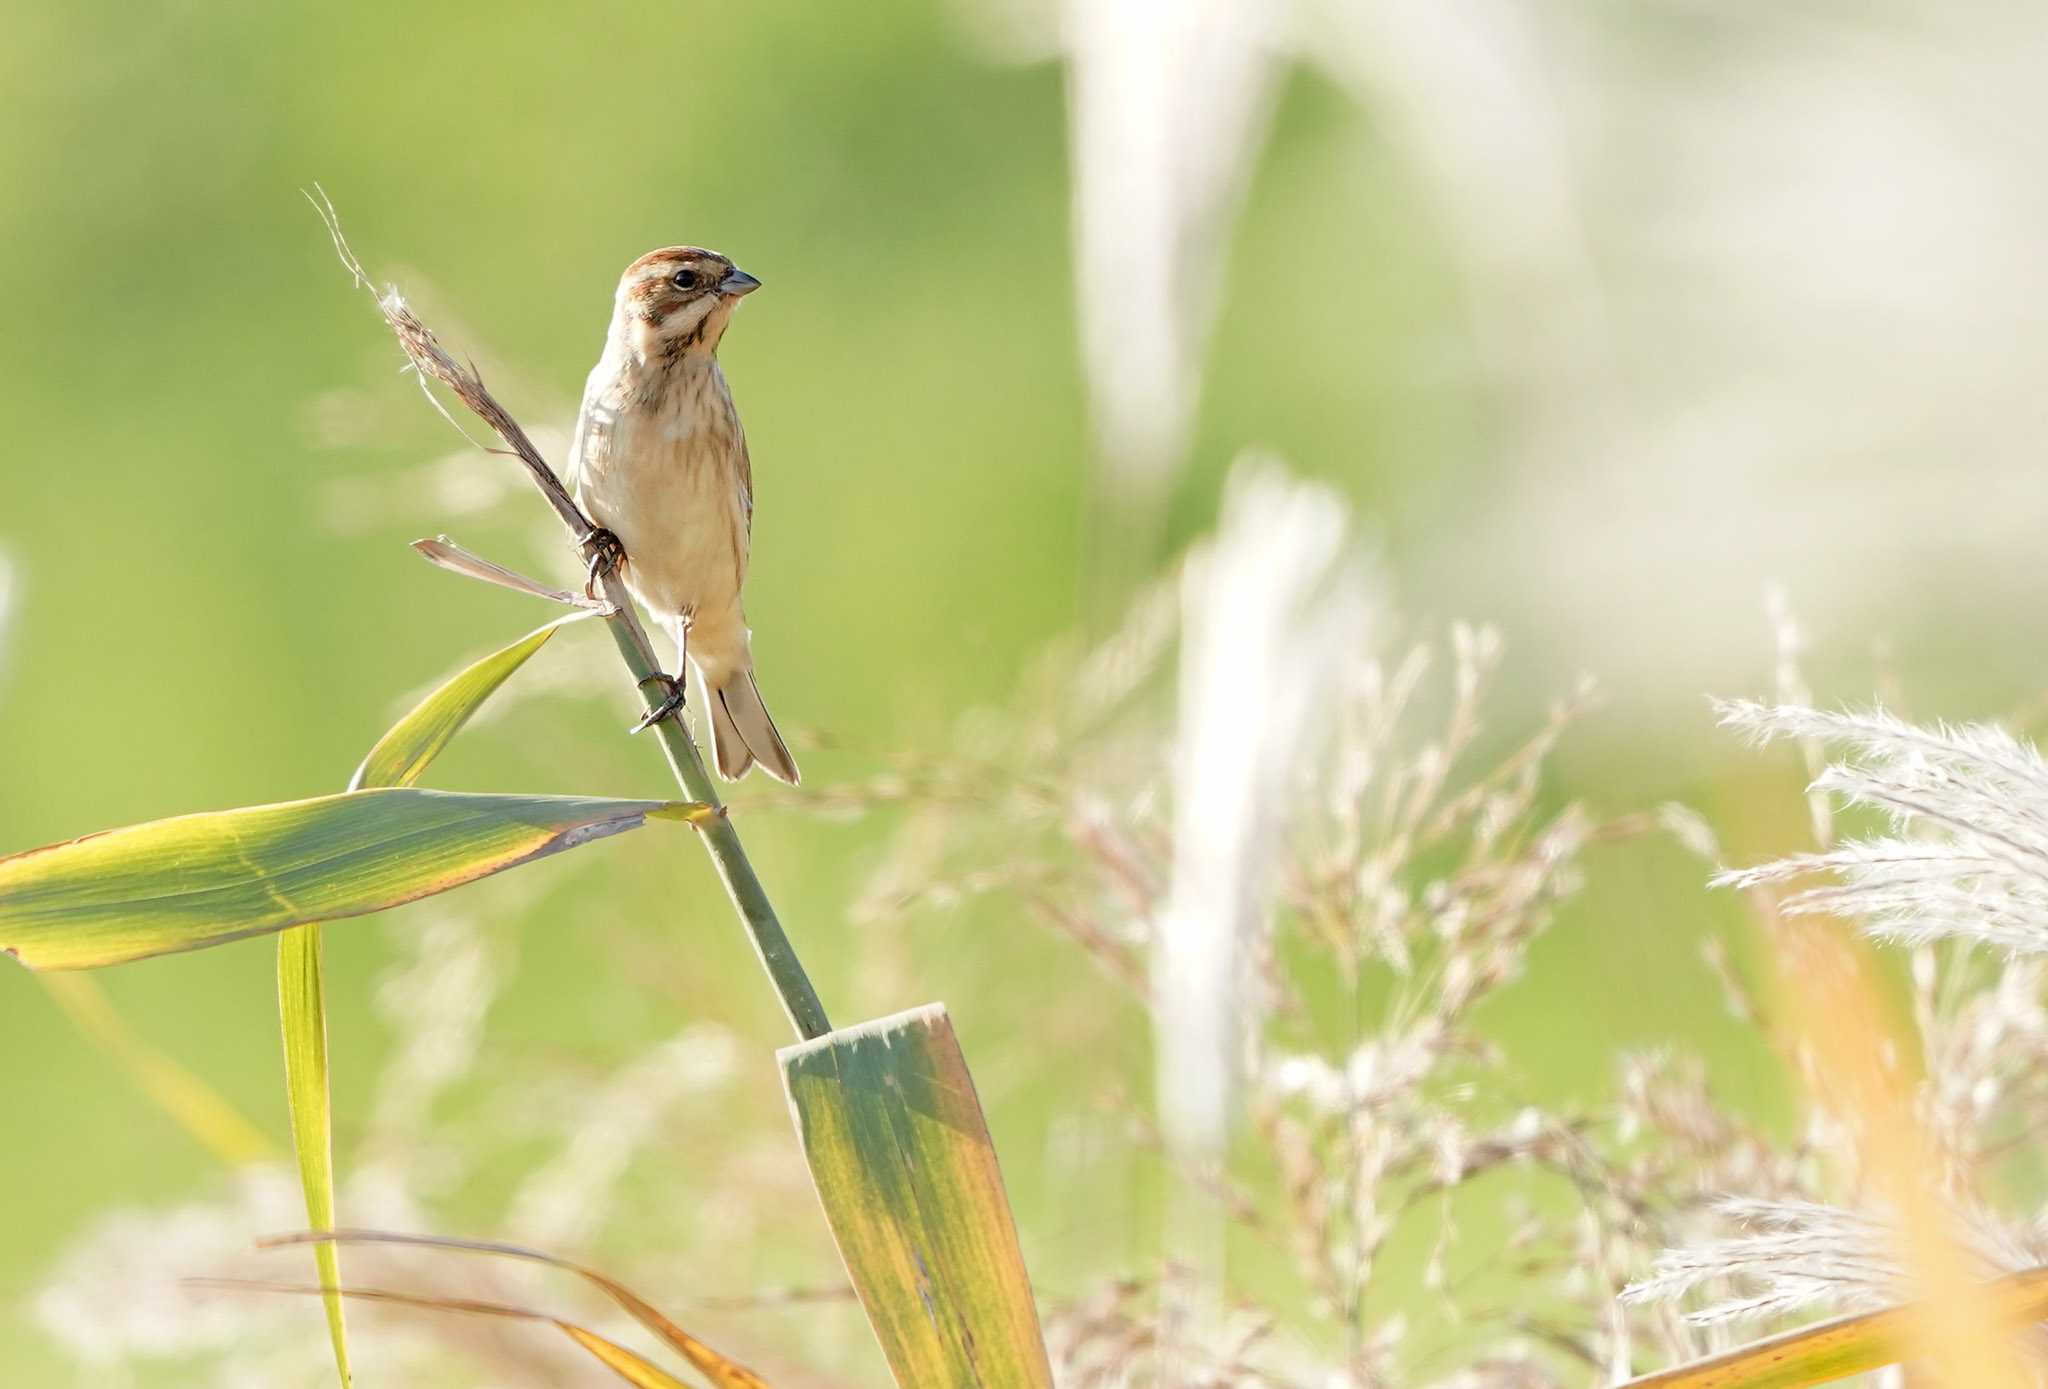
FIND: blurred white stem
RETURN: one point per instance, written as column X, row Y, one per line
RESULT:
column 1168, row 104
column 7, row 590
column 1270, row 609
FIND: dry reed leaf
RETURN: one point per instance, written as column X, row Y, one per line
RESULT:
column 630, row 1366
column 723, row 1372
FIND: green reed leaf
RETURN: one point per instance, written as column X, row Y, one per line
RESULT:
column 906, row 1171
column 403, row 753
column 302, row 1017
column 201, row 880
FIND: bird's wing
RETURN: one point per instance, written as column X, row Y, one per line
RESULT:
column 746, row 477
column 572, row 476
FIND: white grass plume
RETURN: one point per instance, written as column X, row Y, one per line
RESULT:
column 1968, row 858
column 1792, row 1255
column 1795, row 1256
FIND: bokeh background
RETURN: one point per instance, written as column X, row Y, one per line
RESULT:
column 1605, row 318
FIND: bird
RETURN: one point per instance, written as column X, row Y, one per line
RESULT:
column 659, row 464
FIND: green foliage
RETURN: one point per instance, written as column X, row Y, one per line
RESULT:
column 907, row 1173
column 199, row 880
column 402, row 755
column 302, row 1016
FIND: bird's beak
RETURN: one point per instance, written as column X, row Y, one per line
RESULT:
column 737, row 282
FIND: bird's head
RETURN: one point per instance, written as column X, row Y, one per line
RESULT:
column 679, row 299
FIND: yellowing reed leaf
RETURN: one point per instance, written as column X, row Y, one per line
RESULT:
column 630, row 1366
column 201, row 880
column 724, row 1373
column 905, row 1169
column 634, row 1369
column 1848, row 1346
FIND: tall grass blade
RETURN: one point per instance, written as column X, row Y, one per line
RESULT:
column 201, row 880
column 302, row 1016
column 906, row 1171
column 1848, row 1346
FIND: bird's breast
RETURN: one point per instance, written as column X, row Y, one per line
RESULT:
column 665, row 480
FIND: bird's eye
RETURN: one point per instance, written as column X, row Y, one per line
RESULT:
column 684, row 279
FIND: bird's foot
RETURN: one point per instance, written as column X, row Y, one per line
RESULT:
column 602, row 555
column 671, row 701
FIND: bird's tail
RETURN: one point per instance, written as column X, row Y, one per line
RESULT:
column 743, row 734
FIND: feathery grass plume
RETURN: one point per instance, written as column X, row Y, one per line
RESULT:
column 1914, row 1140
column 1968, row 859
column 1803, row 1256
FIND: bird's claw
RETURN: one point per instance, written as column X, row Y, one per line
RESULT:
column 671, row 701
column 602, row 555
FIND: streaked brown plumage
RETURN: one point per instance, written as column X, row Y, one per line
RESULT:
column 660, row 460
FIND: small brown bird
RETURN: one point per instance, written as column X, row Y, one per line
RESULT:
column 660, row 461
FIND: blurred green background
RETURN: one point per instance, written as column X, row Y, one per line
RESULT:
column 213, row 465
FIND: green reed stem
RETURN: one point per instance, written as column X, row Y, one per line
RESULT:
column 735, row 869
